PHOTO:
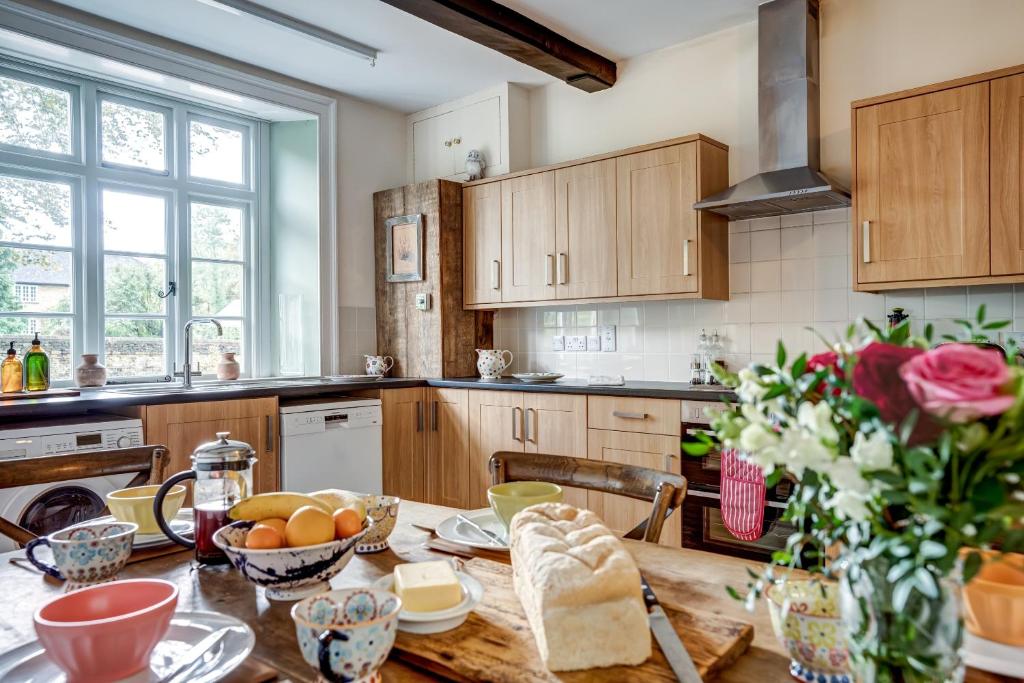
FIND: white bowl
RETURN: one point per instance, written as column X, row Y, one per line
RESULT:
column 440, row 620
column 286, row 573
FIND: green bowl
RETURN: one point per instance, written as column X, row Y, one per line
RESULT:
column 509, row 498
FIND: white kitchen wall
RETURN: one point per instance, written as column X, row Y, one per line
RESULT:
column 787, row 274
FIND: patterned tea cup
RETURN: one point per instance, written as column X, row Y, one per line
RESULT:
column 87, row 554
column 383, row 510
column 347, row 634
column 810, row 629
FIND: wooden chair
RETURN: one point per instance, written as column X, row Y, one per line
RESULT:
column 147, row 462
column 664, row 490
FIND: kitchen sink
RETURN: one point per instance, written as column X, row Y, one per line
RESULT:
column 212, row 387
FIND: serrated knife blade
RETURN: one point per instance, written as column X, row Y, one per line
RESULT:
column 668, row 640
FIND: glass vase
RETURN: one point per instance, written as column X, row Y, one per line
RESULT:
column 919, row 643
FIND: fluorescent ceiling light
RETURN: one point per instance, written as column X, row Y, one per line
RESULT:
column 352, row 47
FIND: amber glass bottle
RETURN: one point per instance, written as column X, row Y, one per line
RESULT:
column 37, row 367
column 12, row 379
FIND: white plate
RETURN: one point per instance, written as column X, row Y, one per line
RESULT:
column 537, row 377
column 29, row 663
column 357, row 378
column 455, row 531
column 182, row 524
column 990, row 656
column 441, row 620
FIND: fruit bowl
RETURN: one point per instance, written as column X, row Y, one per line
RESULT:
column 286, row 573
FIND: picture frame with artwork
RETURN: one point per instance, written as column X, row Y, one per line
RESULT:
column 404, row 250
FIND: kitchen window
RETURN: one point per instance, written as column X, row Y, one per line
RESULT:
column 122, row 215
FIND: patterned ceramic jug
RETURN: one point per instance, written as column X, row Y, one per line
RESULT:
column 491, row 362
column 379, row 365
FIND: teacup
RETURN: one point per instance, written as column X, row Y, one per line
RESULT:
column 509, row 498
column 379, row 365
column 92, row 553
column 383, row 512
column 347, row 634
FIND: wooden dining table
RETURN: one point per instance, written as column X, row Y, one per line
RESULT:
column 691, row 578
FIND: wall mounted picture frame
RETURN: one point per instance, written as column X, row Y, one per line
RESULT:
column 404, row 251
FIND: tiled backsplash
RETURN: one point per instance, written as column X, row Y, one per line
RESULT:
column 786, row 274
column 358, row 337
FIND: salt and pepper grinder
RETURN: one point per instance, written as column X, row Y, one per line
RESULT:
column 697, row 366
column 897, row 316
column 715, row 348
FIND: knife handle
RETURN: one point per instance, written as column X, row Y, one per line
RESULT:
column 650, row 599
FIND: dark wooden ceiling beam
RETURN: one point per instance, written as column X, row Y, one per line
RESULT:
column 495, row 26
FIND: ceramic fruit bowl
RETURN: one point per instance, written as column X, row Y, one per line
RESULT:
column 85, row 554
column 286, row 573
column 994, row 599
column 383, row 511
column 135, row 505
column 509, row 498
column 346, row 635
column 106, row 632
column 810, row 629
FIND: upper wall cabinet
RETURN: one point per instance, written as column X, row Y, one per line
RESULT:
column 614, row 226
column 937, row 184
column 495, row 122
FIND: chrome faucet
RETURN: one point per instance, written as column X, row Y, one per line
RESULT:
column 186, row 373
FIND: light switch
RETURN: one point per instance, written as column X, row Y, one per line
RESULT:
column 593, row 343
column 558, row 343
column 423, row 301
column 608, row 337
column 576, row 342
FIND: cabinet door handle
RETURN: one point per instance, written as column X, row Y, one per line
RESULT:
column 629, row 416
column 563, row 267
column 495, row 274
column 433, row 416
column 419, row 416
column 669, row 457
column 865, row 232
column 270, row 433
column 517, row 423
column 686, row 258
column 531, row 434
column 549, row 269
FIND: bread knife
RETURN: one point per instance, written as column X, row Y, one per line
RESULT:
column 668, row 640
column 491, row 537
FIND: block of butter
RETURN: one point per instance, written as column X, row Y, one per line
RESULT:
column 427, row 586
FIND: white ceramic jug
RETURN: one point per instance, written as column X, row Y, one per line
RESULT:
column 491, row 362
column 379, row 365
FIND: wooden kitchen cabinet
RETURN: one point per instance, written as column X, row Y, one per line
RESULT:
column 585, row 230
column 656, row 451
column 1007, row 157
column 481, row 224
column 448, row 447
column 556, row 424
column 404, row 443
column 528, row 238
column 184, row 426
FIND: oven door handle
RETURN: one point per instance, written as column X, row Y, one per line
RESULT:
column 718, row 496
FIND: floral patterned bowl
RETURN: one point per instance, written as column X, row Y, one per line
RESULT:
column 383, row 511
column 87, row 554
column 347, row 634
column 286, row 573
column 805, row 617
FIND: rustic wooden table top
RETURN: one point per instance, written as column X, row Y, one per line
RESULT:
column 687, row 577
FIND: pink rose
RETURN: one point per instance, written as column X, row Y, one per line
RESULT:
column 875, row 378
column 959, row 382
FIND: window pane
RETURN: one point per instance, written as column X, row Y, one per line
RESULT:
column 131, row 283
column 217, row 289
column 216, row 153
column 207, row 347
column 134, row 348
column 134, row 222
column 54, row 333
column 217, row 231
column 35, row 116
column 133, row 136
column 35, row 280
column 35, row 211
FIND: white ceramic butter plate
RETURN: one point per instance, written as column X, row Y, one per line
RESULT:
column 441, row 620
column 455, row 531
column 537, row 377
column 988, row 655
column 182, row 524
column 29, row 663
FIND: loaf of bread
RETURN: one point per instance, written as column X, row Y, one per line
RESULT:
column 580, row 589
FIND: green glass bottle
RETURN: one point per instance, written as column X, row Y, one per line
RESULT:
column 37, row 368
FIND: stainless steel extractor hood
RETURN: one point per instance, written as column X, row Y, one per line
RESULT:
column 787, row 107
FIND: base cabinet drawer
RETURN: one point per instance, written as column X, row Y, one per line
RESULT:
column 627, row 414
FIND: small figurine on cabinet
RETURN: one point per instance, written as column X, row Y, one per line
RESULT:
column 475, row 165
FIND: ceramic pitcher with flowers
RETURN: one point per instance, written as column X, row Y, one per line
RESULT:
column 491, row 362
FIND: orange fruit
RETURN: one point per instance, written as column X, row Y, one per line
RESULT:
column 308, row 526
column 263, row 537
column 346, row 523
column 275, row 523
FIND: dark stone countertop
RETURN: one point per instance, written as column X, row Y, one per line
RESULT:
column 678, row 390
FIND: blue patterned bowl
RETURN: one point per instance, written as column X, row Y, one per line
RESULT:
column 286, row 573
column 86, row 554
column 347, row 634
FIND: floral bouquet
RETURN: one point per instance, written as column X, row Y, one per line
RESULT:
column 903, row 455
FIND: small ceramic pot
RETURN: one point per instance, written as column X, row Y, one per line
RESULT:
column 228, row 367
column 383, row 512
column 811, row 630
column 347, row 634
column 491, row 362
column 85, row 555
column 379, row 365
column 90, row 373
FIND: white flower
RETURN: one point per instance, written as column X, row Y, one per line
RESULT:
column 800, row 451
column 756, row 437
column 872, row 452
column 1012, row 478
column 751, row 389
column 846, row 476
column 850, row 505
column 970, row 530
column 753, row 414
column 817, row 419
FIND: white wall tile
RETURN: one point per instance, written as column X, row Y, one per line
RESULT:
column 797, row 274
column 765, row 307
column 831, row 216
column 764, row 337
column 739, row 226
column 678, row 367
column 708, row 312
column 608, row 314
column 998, row 300
column 831, row 239
column 765, row 276
column 769, row 223
column 629, row 339
column 739, row 247
column 793, row 219
column 831, row 305
column 680, row 313
column 910, row 300
column 586, row 317
column 656, row 313
column 739, row 278
column 737, row 309
column 735, row 338
column 656, row 339
column 831, row 272
column 797, row 339
column 631, row 314
column 798, row 306
column 765, row 245
column 656, row 367
column 947, row 302
column 798, row 242
column 867, row 305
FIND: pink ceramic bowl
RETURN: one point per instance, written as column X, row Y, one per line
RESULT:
column 106, row 632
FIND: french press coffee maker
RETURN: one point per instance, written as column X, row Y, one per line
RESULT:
column 222, row 470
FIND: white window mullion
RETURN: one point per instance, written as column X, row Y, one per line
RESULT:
column 181, row 248
column 89, row 247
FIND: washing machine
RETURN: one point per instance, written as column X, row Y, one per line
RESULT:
column 45, row 508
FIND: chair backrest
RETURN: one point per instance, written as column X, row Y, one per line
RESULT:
column 146, row 462
column 665, row 490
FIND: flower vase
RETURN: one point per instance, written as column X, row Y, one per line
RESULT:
column 901, row 639
column 90, row 373
column 228, row 367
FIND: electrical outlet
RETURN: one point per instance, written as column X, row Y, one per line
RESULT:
column 608, row 337
column 558, row 343
column 576, row 342
column 593, row 343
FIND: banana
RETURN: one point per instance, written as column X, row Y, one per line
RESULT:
column 281, row 505
column 337, row 499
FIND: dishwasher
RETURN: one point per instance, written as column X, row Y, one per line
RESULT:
column 331, row 443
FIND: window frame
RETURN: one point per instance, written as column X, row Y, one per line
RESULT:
column 248, row 143
column 105, row 95
column 55, row 82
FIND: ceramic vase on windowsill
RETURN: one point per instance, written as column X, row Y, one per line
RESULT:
column 228, row 367
column 90, row 373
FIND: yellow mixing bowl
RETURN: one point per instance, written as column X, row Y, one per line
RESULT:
column 509, row 498
column 136, row 505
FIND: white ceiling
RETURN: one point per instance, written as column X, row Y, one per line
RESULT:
column 420, row 65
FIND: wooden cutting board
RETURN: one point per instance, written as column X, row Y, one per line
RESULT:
column 496, row 643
